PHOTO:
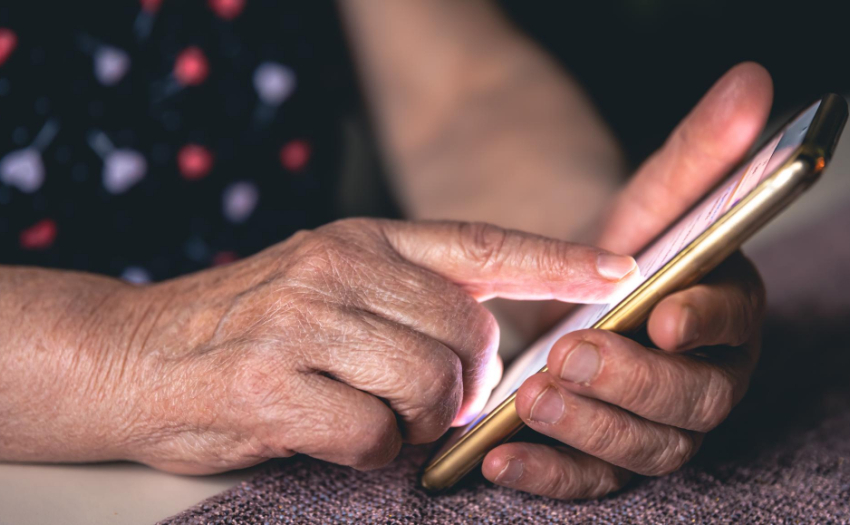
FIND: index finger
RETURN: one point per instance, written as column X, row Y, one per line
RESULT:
column 488, row 261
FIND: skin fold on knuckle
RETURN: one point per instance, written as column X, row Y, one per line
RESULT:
column 361, row 433
column 642, row 447
column 609, row 435
column 695, row 389
column 562, row 480
column 331, row 262
column 679, row 447
column 649, row 390
column 454, row 370
column 484, row 244
column 611, row 480
column 566, row 261
column 436, row 403
column 419, row 377
column 481, row 341
column 579, row 478
column 715, row 402
column 376, row 444
column 674, row 391
column 558, row 262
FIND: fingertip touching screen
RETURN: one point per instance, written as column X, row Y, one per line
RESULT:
column 653, row 257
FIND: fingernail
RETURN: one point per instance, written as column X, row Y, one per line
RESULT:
column 614, row 267
column 511, row 472
column 548, row 407
column 581, row 364
column 688, row 326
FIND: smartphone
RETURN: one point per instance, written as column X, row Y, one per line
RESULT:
column 757, row 190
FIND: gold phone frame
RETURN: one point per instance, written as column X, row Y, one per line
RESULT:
column 704, row 253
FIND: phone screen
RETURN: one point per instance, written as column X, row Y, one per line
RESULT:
column 652, row 258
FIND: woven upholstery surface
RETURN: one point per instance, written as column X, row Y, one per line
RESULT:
column 782, row 457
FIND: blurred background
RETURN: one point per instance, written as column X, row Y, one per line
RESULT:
column 252, row 89
column 151, row 138
column 645, row 62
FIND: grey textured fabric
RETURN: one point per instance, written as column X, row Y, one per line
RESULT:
column 783, row 456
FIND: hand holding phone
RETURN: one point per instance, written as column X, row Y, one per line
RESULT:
column 619, row 407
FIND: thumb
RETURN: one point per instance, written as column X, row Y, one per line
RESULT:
column 489, row 261
column 704, row 147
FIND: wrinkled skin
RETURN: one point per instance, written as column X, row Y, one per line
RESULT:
column 343, row 342
column 631, row 409
column 340, row 343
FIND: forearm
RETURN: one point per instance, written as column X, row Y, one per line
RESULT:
column 62, row 365
column 418, row 60
column 476, row 121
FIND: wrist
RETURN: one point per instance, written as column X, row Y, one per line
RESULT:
column 172, row 321
column 140, row 410
column 61, row 398
column 125, row 363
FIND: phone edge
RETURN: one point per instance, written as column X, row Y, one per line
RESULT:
column 810, row 157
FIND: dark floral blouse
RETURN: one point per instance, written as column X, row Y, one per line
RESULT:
column 150, row 139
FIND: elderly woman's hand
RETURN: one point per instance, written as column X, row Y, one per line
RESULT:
column 339, row 343
column 618, row 406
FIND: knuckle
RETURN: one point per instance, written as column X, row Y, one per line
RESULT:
column 444, row 385
column 486, row 327
column 679, row 449
column 564, row 483
column 300, row 236
column 317, row 254
column 718, row 399
column 441, row 384
column 644, row 394
column 557, row 261
column 376, row 444
column 344, row 227
column 661, row 391
column 611, row 480
column 484, row 338
column 584, row 479
column 437, row 403
column 353, row 223
column 326, row 258
column 604, row 433
column 483, row 243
